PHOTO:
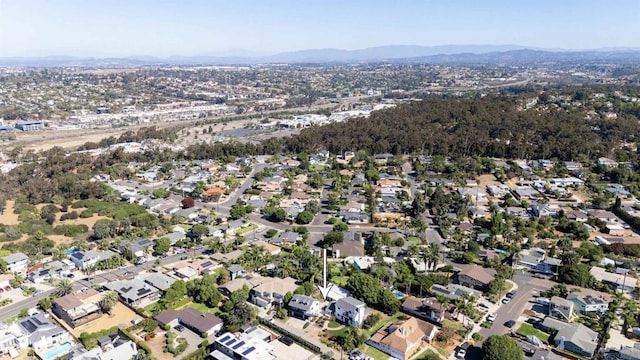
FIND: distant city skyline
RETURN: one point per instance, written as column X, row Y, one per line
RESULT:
column 119, row 28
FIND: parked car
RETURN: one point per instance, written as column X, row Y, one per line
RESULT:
column 506, row 300
column 511, row 294
column 185, row 257
column 179, row 327
column 461, row 353
column 510, row 323
column 71, row 276
column 491, row 317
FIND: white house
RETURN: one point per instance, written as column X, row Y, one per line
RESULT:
column 350, row 311
column 303, row 307
column 86, row 259
column 587, row 301
column 16, row 263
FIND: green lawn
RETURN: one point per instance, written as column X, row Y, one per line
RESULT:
column 318, row 167
column 376, row 354
column 457, row 326
column 380, row 324
column 247, row 229
column 340, row 280
column 424, row 353
column 527, row 329
column 203, row 308
column 334, row 324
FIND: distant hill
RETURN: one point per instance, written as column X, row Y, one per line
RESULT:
column 444, row 54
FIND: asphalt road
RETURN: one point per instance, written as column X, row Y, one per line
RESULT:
column 528, row 289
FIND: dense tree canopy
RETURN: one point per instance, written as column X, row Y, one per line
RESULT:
column 492, row 126
column 501, row 347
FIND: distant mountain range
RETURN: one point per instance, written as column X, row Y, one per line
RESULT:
column 444, row 54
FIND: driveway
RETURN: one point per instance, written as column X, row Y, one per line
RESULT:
column 193, row 340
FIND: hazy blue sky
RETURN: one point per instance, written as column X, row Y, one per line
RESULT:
column 211, row 27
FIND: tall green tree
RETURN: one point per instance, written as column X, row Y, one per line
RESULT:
column 501, row 347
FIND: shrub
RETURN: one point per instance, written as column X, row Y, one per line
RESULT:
column 86, row 214
column 371, row 320
column 69, row 216
column 476, row 336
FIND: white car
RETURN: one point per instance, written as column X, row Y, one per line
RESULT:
column 491, row 317
column 461, row 353
column 506, row 300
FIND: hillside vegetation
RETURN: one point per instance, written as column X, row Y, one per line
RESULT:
column 494, row 126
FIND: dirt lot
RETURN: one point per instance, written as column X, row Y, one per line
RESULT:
column 8, row 217
column 157, row 346
column 487, row 179
column 121, row 315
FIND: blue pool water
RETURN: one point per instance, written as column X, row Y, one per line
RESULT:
column 398, row 294
column 72, row 251
column 57, row 352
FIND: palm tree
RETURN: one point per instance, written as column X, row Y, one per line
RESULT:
column 108, row 301
column 630, row 315
column 65, row 287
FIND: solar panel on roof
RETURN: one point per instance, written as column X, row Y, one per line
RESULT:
column 225, row 338
column 230, row 342
column 236, row 346
column 206, row 264
column 249, row 350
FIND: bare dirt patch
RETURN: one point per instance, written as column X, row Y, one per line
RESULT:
column 8, row 217
column 487, row 179
column 121, row 316
column 156, row 344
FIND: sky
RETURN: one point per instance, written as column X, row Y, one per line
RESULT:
column 263, row 27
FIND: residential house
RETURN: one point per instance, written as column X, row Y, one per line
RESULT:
column 561, row 308
column 195, row 320
column 134, row 292
column 266, row 291
column 158, row 280
column 615, row 230
column 536, row 260
column 111, row 347
column 629, row 353
column 235, row 271
column 13, row 339
column 269, row 248
column 86, row 259
column 401, row 339
column 250, row 345
column 303, row 307
column 16, row 262
column 233, row 226
column 136, row 248
column 589, row 301
column 624, row 282
column 475, row 277
column 454, row 291
column 542, row 210
column 78, row 309
column 352, row 245
column 573, row 337
column 286, row 238
column 603, row 215
column 51, row 270
column 42, row 333
column 350, row 311
column 428, row 309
